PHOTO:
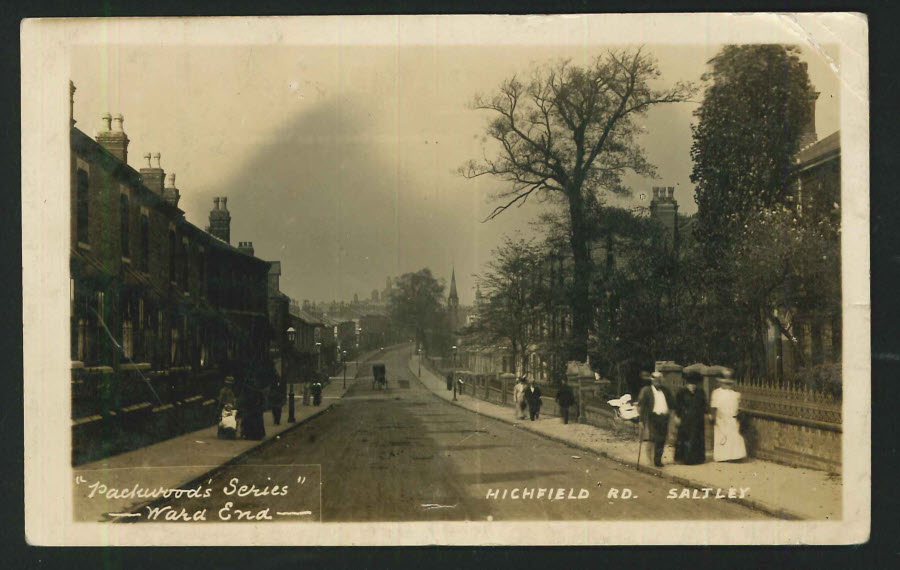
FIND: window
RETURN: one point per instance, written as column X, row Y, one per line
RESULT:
column 174, row 355
column 185, row 258
column 172, row 255
column 123, row 224
column 145, row 243
column 128, row 340
column 201, row 273
column 82, row 200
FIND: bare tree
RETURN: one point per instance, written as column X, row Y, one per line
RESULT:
column 569, row 135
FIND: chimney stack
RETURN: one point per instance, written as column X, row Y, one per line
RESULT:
column 246, row 247
column 220, row 220
column 154, row 176
column 664, row 209
column 114, row 141
column 170, row 192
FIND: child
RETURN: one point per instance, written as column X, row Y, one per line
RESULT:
column 228, row 423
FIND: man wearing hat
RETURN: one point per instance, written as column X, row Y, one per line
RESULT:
column 690, row 411
column 655, row 401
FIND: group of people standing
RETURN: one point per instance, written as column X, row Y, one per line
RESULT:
column 240, row 413
column 527, row 396
column 242, row 416
column 690, row 410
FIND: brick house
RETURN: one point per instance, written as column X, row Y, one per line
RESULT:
column 160, row 309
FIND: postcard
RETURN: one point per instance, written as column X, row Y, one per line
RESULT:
column 453, row 280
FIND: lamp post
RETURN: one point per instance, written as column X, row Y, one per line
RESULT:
column 291, row 335
column 419, row 352
column 344, row 363
column 318, row 358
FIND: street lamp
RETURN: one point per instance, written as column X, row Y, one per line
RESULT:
column 344, row 362
column 318, row 357
column 419, row 352
column 291, row 336
column 454, row 379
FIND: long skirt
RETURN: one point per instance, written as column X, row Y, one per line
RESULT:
column 252, row 426
column 690, row 444
column 729, row 444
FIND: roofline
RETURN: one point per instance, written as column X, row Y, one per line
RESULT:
column 122, row 169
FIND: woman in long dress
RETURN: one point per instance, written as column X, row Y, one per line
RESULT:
column 724, row 402
column 690, row 409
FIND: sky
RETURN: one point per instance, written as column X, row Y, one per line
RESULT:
column 340, row 160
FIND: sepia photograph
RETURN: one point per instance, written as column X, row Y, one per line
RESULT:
column 446, row 280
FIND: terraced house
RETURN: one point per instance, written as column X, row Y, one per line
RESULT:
column 161, row 310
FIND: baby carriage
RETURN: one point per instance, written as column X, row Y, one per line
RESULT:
column 228, row 423
column 625, row 412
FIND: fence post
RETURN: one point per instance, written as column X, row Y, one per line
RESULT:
column 505, row 378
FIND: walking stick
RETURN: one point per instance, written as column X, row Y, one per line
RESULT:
column 640, row 444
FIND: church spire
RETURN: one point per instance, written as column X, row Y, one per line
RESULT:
column 453, row 299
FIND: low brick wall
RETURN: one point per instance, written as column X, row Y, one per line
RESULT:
column 95, row 437
column 800, row 443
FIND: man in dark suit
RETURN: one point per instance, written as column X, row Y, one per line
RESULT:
column 655, row 402
column 565, row 397
column 533, row 397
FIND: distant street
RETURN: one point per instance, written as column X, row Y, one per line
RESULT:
column 402, row 455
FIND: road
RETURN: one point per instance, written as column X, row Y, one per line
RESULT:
column 402, row 454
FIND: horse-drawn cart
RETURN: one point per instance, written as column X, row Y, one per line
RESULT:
column 379, row 379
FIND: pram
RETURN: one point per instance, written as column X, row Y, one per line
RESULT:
column 625, row 411
column 228, row 423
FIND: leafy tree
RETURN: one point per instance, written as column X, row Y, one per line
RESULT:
column 514, row 290
column 749, row 128
column 748, row 132
column 568, row 135
column 786, row 264
column 416, row 305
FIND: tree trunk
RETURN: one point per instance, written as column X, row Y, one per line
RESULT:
column 579, row 300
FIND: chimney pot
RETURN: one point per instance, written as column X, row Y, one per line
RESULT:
column 225, row 203
column 672, row 192
column 72, row 103
column 170, row 180
column 156, row 157
column 216, row 201
column 119, row 120
column 147, row 156
column 107, row 121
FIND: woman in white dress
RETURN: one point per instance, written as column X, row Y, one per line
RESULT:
column 724, row 402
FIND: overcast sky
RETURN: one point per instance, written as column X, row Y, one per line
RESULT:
column 341, row 160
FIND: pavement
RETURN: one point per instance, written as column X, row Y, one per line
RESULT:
column 175, row 462
column 778, row 490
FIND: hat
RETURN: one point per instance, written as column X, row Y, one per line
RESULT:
column 656, row 375
column 726, row 379
column 693, row 377
column 229, row 379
